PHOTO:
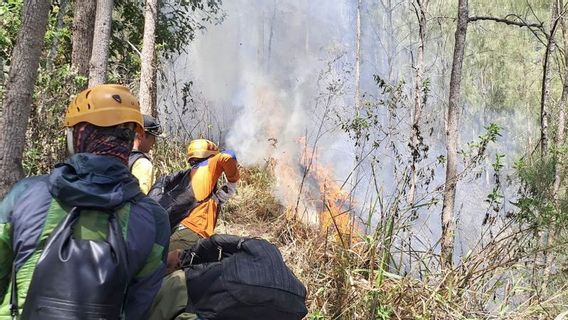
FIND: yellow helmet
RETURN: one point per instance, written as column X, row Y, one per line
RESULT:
column 104, row 105
column 201, row 148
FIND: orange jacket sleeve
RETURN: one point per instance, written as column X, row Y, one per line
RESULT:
column 227, row 162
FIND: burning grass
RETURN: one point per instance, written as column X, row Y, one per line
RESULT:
column 353, row 281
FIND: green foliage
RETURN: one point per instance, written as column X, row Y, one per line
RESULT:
column 178, row 21
column 10, row 20
column 31, row 160
column 45, row 139
column 536, row 200
column 358, row 125
column 383, row 313
column 537, row 203
column 317, row 315
column 477, row 150
column 59, row 35
column 498, row 164
column 503, row 61
column 363, row 125
column 45, row 144
column 495, row 197
column 181, row 19
column 378, row 311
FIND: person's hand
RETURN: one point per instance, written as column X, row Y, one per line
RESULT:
column 174, row 261
column 226, row 191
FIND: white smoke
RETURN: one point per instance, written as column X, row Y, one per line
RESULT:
column 263, row 76
column 258, row 72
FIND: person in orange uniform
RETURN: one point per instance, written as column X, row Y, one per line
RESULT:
column 207, row 166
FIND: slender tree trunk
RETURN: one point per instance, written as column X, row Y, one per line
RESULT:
column 546, row 78
column 390, row 38
column 101, row 42
column 19, row 90
column 147, row 78
column 448, row 219
column 544, row 134
column 358, row 59
column 357, row 100
column 419, row 98
column 563, row 105
column 1, row 72
column 551, row 233
column 58, row 26
column 82, row 39
column 271, row 37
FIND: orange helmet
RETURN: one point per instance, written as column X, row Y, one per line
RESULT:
column 201, row 148
column 104, row 105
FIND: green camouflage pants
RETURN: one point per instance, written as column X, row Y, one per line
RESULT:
column 171, row 300
column 183, row 239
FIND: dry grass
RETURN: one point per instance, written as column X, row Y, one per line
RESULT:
column 347, row 283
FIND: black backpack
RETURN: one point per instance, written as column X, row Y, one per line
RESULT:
column 67, row 282
column 235, row 278
column 174, row 193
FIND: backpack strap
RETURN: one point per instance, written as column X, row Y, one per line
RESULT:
column 134, row 156
column 208, row 197
column 14, row 294
column 137, row 197
column 198, row 202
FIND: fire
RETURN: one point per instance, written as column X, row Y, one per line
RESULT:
column 306, row 187
column 311, row 193
column 335, row 215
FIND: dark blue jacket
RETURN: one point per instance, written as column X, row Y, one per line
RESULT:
column 34, row 207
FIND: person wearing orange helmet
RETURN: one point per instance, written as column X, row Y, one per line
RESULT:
column 84, row 240
column 207, row 163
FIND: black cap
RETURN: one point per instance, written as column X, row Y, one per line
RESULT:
column 152, row 126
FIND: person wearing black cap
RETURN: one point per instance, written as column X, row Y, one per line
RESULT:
column 139, row 162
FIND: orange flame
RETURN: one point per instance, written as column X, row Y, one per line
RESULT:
column 313, row 194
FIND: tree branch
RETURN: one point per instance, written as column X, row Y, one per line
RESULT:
column 506, row 21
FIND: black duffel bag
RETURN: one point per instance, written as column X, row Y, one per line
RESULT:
column 236, row 278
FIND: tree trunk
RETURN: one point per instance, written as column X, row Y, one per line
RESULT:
column 101, row 42
column 55, row 41
column 448, row 220
column 544, row 134
column 1, row 71
column 550, row 234
column 358, row 59
column 148, row 70
column 83, row 29
column 546, row 78
column 19, row 90
column 563, row 105
column 359, row 141
column 389, row 29
column 419, row 98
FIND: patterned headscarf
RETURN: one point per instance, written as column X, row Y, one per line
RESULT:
column 113, row 141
